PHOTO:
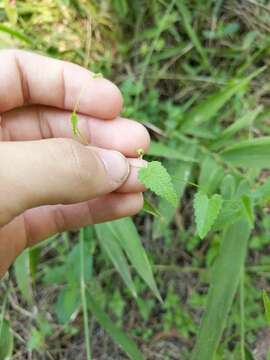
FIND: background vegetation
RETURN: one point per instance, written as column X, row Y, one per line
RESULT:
column 196, row 74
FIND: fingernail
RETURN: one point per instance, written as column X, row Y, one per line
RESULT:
column 116, row 164
column 138, row 163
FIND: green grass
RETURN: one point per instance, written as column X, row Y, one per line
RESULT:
column 196, row 74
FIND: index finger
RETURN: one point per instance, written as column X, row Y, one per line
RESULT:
column 28, row 78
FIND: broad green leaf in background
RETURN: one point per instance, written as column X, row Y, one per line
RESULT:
column 113, row 250
column 266, row 304
column 209, row 107
column 245, row 121
column 206, row 211
column 127, row 344
column 228, row 187
column 23, row 275
column 225, row 279
column 68, row 302
column 249, row 153
column 161, row 150
column 262, row 193
column 210, row 176
column 6, row 340
column 156, row 178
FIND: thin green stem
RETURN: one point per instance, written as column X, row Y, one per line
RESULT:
column 83, row 299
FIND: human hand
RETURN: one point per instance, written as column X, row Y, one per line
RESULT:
column 50, row 182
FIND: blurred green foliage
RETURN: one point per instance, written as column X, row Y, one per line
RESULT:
column 196, row 75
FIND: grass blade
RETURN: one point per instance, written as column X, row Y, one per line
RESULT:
column 209, row 107
column 110, row 246
column 244, row 122
column 187, row 22
column 129, row 239
column 225, row 279
column 18, row 35
column 128, row 345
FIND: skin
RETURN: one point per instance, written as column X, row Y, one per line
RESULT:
column 49, row 182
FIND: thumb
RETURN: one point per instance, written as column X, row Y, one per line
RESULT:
column 55, row 171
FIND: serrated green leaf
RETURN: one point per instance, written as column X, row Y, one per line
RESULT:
column 156, row 178
column 206, row 212
column 266, row 304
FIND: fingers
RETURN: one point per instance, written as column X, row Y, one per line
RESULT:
column 54, row 171
column 132, row 183
column 28, row 78
column 40, row 223
column 37, row 122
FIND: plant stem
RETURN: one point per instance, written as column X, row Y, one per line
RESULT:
column 83, row 298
